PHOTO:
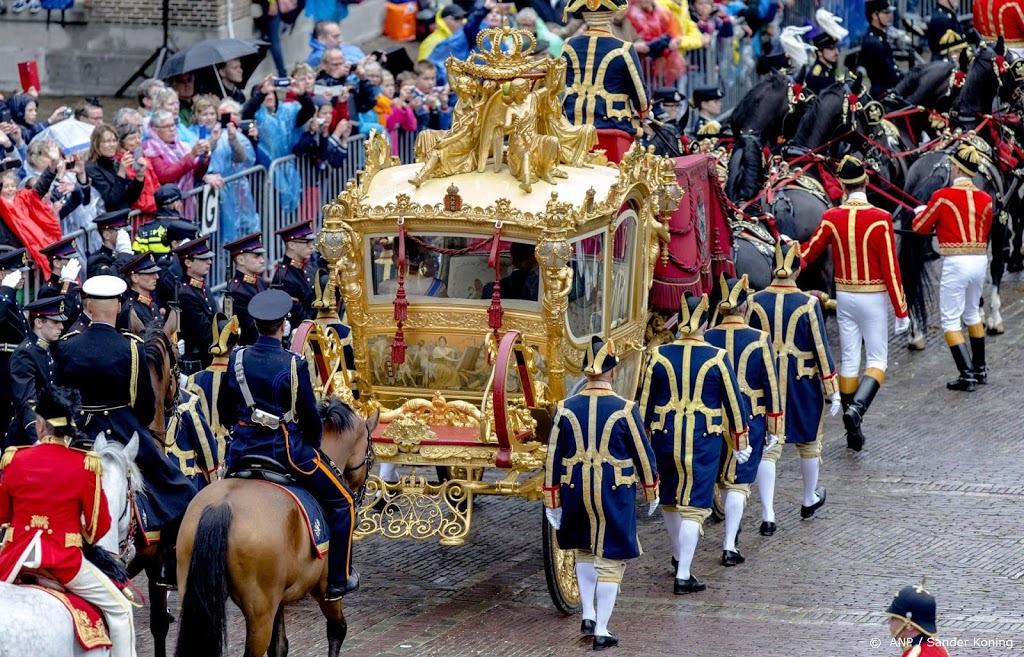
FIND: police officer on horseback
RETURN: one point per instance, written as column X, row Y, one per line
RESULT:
column 943, row 20
column 875, row 52
column 823, row 73
column 110, row 370
column 32, row 367
column 267, row 398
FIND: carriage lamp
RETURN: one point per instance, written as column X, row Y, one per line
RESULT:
column 671, row 195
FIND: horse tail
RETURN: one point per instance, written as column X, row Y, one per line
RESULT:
column 913, row 256
column 203, row 628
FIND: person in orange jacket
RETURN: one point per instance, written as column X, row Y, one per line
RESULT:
column 52, row 498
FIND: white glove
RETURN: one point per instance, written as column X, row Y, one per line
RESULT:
column 784, row 238
column 554, row 517
column 287, row 328
column 124, row 242
column 837, row 404
column 12, row 279
column 69, row 274
column 919, row 209
column 181, row 347
column 654, row 506
column 742, row 454
column 771, row 442
column 902, row 325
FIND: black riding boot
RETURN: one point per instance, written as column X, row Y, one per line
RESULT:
column 978, row 358
column 854, row 414
column 962, row 358
column 168, row 576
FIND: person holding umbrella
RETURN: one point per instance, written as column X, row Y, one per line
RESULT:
column 231, row 77
column 219, row 66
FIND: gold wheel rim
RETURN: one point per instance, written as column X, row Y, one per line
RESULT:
column 565, row 573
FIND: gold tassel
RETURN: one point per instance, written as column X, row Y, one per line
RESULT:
column 8, row 456
column 92, row 463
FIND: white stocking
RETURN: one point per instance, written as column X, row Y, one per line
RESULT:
column 606, row 594
column 587, row 577
column 809, row 469
column 672, row 521
column 766, row 488
column 389, row 472
column 734, row 502
column 689, row 534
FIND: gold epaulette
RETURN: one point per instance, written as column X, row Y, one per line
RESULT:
column 92, row 463
column 70, row 334
column 131, row 335
column 8, row 456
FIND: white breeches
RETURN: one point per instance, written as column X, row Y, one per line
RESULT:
column 863, row 318
column 963, row 277
column 92, row 585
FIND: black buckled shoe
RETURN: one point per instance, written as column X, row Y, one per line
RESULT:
column 692, row 585
column 808, row 511
column 587, row 627
column 767, row 528
column 732, row 558
column 335, row 592
column 602, row 642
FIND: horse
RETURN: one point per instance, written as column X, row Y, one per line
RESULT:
column 931, row 172
column 248, row 541
column 925, row 92
column 36, row 623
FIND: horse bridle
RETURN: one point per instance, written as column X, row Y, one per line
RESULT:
column 367, row 463
column 124, row 547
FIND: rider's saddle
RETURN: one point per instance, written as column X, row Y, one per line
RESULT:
column 261, row 468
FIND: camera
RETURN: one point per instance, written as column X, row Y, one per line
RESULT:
column 225, row 119
column 5, row 115
column 282, row 83
column 245, row 126
column 68, row 113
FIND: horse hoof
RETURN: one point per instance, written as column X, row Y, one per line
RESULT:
column 998, row 329
column 916, row 345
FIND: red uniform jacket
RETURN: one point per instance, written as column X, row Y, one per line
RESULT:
column 51, row 488
column 864, row 250
column 995, row 18
column 961, row 216
column 926, row 649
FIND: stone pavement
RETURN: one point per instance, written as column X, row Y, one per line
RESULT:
column 937, row 492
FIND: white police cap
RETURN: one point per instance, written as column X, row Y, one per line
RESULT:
column 104, row 287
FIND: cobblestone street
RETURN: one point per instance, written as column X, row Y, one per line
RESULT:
column 937, row 492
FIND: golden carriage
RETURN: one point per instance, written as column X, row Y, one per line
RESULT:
column 466, row 376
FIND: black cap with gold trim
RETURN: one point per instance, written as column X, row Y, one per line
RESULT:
column 594, row 6
column 967, row 158
column 916, row 607
column 225, row 334
column 693, row 313
column 787, row 260
column 54, row 308
column 14, row 260
column 732, row 292
column 851, row 171
column 951, row 42
column 600, row 357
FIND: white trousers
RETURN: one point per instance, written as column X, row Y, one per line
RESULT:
column 863, row 318
column 963, row 277
column 92, row 585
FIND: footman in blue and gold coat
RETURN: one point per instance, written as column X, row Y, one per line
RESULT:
column 753, row 359
column 691, row 402
column 597, row 454
column 807, row 373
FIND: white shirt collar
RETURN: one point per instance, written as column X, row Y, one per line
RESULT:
column 858, row 196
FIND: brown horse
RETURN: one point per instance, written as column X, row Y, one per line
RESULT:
column 249, row 541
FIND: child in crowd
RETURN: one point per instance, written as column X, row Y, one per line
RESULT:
column 401, row 122
column 430, row 102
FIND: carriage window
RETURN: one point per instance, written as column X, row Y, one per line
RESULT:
column 586, row 300
column 623, row 243
column 454, row 267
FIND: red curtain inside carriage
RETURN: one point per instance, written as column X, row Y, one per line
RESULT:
column 700, row 248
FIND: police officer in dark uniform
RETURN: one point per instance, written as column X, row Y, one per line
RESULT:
column 197, row 309
column 64, row 266
column 772, row 62
column 109, row 368
column 294, row 274
column 875, row 52
column 32, row 367
column 13, row 327
column 141, row 276
column 108, row 225
column 823, row 73
column 708, row 103
column 663, row 132
column 943, row 19
column 150, row 236
column 170, row 266
column 268, row 419
column 247, row 256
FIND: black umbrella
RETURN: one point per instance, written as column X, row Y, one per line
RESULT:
column 202, row 59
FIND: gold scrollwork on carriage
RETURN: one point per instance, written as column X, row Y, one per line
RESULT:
column 418, row 509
